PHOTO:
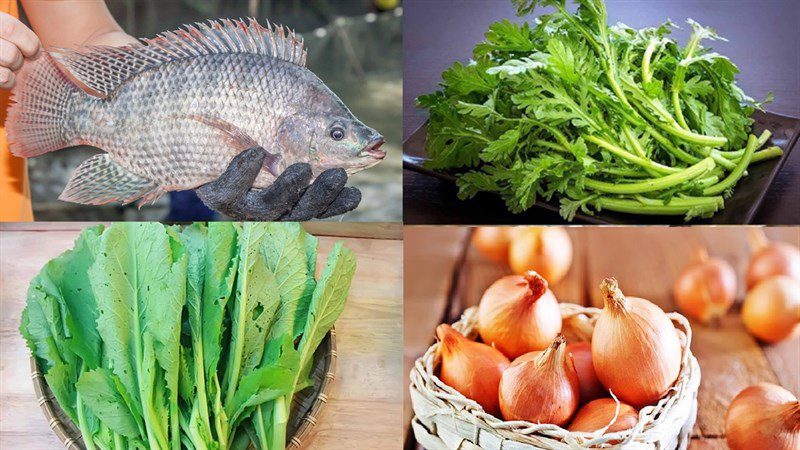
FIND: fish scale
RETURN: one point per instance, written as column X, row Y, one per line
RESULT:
column 173, row 111
column 182, row 152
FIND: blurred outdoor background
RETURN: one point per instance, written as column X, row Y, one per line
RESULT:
column 354, row 46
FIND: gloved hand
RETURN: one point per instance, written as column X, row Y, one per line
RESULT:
column 290, row 197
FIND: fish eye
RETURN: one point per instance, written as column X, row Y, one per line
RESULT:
column 337, row 133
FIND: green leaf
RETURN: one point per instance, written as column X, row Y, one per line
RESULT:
column 60, row 380
column 67, row 276
column 304, row 302
column 525, row 7
column 474, row 110
column 43, row 329
column 470, row 79
column 221, row 263
column 471, row 183
column 100, row 393
column 285, row 254
column 265, row 383
column 139, row 284
column 698, row 87
column 503, row 148
column 562, row 61
column 515, row 67
column 327, row 302
column 506, row 37
column 253, row 309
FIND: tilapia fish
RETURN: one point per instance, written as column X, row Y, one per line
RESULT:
column 172, row 112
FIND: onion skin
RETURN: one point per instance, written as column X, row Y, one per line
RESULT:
column 541, row 387
column 492, row 243
column 471, row 368
column 635, row 348
column 706, row 288
column 519, row 314
column 771, row 310
column 763, row 416
column 598, row 413
column 577, row 328
column 770, row 259
column 590, row 386
column 547, row 250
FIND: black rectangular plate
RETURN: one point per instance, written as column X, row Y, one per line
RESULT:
column 741, row 208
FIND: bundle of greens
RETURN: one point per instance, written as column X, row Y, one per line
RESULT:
column 601, row 117
column 154, row 337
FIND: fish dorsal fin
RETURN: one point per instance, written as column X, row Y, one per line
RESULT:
column 104, row 68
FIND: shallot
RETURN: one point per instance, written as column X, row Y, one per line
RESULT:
column 771, row 310
column 471, row 368
column 706, row 288
column 770, row 259
column 547, row 250
column 519, row 314
column 599, row 413
column 635, row 348
column 590, row 386
column 541, row 387
column 492, row 242
column 763, row 416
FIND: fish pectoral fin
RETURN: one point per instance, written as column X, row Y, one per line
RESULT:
column 238, row 139
column 100, row 180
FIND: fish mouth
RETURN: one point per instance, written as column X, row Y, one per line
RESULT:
column 373, row 148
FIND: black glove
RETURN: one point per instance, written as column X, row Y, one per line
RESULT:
column 290, row 197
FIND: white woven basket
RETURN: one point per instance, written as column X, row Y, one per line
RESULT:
column 446, row 420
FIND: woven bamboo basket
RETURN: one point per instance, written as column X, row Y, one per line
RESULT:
column 445, row 419
column 306, row 405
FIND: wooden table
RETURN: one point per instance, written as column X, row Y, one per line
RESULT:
column 364, row 409
column 762, row 40
column 444, row 275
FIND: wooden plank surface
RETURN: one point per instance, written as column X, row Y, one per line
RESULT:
column 427, row 281
column 365, row 405
column 646, row 261
column 730, row 360
column 708, row 444
column 378, row 230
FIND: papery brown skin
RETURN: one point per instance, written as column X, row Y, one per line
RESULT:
column 519, row 314
column 770, row 259
column 541, row 387
column 706, row 288
column 590, row 386
column 492, row 243
column 763, row 416
column 598, row 414
column 547, row 250
column 472, row 368
column 771, row 310
column 635, row 348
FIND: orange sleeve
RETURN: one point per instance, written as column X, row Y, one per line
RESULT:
column 15, row 194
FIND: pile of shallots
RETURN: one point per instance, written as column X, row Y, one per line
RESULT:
column 524, row 369
column 706, row 289
column 547, row 250
column 763, row 415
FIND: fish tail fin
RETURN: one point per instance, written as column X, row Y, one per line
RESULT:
column 37, row 118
